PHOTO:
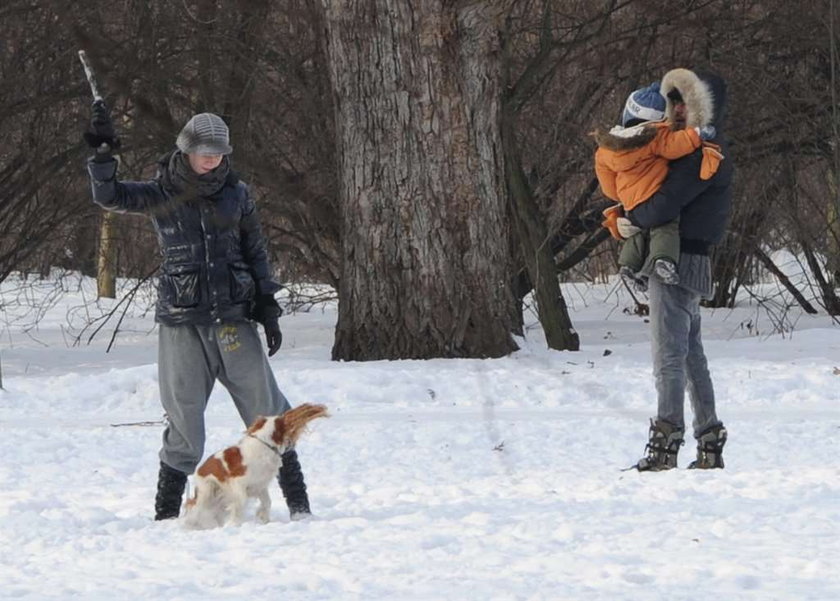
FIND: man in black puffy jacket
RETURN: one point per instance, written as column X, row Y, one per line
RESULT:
column 215, row 283
column 702, row 202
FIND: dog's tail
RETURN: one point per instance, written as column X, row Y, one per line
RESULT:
column 294, row 422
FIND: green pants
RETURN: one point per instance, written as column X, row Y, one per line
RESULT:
column 661, row 242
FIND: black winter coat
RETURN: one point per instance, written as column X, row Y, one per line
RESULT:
column 214, row 254
column 702, row 206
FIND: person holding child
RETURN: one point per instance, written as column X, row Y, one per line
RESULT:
column 631, row 163
column 697, row 190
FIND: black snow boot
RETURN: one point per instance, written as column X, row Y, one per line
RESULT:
column 291, row 482
column 664, row 442
column 170, row 489
column 710, row 449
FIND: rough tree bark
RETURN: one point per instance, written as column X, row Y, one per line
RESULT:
column 425, row 244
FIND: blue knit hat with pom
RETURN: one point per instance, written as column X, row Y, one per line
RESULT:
column 645, row 104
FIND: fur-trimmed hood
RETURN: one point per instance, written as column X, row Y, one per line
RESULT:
column 703, row 93
column 703, row 206
column 625, row 138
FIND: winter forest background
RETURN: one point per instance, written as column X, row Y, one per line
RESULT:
column 429, row 160
column 424, row 175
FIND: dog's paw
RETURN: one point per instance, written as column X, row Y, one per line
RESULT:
column 263, row 516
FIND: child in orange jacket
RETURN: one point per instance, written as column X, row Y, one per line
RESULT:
column 631, row 163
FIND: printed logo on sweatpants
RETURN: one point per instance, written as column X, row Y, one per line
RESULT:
column 229, row 338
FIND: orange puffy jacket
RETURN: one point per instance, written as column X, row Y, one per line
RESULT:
column 631, row 169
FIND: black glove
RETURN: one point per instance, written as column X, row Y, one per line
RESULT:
column 267, row 312
column 273, row 336
column 101, row 135
column 265, row 308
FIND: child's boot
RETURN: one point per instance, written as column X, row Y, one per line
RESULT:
column 666, row 271
column 631, row 278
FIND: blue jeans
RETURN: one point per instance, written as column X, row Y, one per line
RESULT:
column 678, row 357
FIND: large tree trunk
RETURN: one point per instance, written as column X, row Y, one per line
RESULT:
column 425, row 242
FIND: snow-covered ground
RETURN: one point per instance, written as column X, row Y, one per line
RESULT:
column 444, row 479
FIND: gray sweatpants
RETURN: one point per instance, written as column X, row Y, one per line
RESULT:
column 678, row 357
column 190, row 360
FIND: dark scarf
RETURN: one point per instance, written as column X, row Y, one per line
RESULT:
column 180, row 179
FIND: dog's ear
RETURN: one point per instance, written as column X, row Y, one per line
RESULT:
column 279, row 434
column 258, row 423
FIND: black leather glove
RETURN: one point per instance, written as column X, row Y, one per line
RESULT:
column 265, row 308
column 101, row 135
column 273, row 336
column 267, row 312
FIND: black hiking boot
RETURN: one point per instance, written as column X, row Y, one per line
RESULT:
column 170, row 489
column 664, row 442
column 291, row 482
column 710, row 449
column 666, row 271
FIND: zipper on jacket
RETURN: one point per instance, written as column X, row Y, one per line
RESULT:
column 208, row 264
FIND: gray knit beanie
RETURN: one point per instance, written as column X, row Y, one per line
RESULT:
column 205, row 133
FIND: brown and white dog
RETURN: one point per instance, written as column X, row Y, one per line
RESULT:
column 225, row 481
